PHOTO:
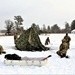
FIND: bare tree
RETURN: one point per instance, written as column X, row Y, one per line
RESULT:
column 9, row 26
column 18, row 21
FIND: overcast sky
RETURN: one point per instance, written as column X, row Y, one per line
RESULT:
column 48, row 12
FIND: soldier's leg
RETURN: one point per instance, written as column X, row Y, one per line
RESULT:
column 59, row 53
column 63, row 54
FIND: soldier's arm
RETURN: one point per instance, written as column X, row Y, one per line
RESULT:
column 61, row 47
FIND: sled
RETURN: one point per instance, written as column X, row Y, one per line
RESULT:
column 26, row 61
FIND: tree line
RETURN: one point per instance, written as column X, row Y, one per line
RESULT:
column 15, row 26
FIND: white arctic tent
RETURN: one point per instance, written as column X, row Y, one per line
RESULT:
column 73, row 31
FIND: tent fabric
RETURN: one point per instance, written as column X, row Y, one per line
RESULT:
column 29, row 41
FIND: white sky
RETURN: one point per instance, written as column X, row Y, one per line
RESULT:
column 48, row 12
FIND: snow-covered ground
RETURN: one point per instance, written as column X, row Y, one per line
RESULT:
column 55, row 64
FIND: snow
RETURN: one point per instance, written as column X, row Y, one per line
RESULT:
column 55, row 64
column 73, row 31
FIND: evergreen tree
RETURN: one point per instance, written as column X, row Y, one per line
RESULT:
column 55, row 29
column 73, row 25
column 48, row 29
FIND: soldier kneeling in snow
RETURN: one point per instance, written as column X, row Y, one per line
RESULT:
column 47, row 41
column 63, row 49
column 1, row 50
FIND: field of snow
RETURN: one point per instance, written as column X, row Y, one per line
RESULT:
column 55, row 64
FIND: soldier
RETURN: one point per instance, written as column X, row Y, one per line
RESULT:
column 47, row 41
column 68, row 39
column 1, row 50
column 63, row 49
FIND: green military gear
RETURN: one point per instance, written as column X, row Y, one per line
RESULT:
column 29, row 41
column 47, row 41
column 63, row 40
column 68, row 39
column 1, row 49
column 63, row 49
column 63, row 45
